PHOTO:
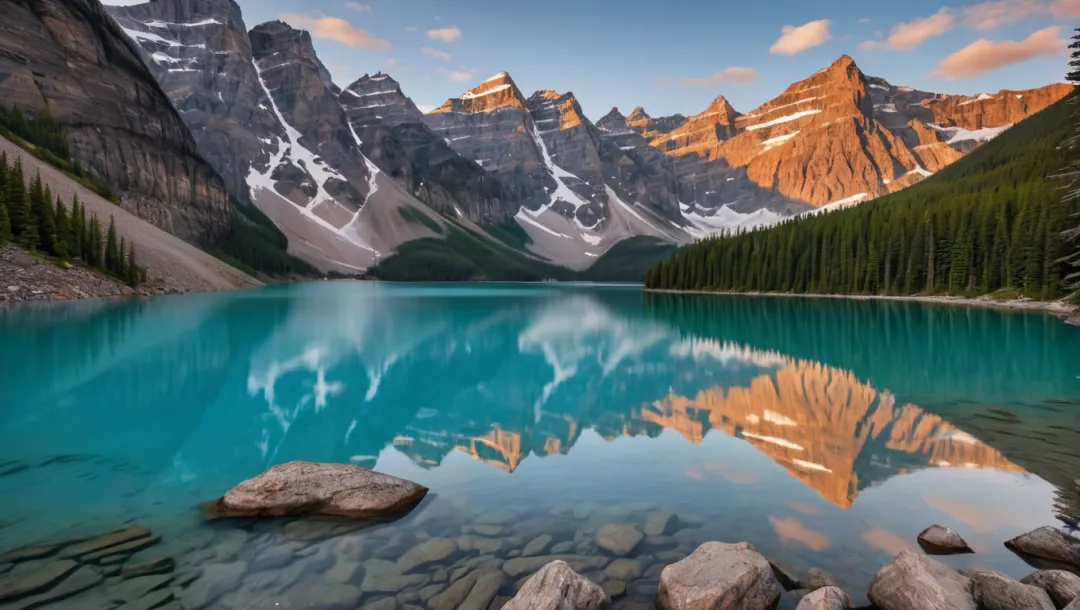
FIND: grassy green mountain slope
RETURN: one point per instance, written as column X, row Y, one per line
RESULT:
column 991, row 221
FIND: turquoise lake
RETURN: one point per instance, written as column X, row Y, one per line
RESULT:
column 826, row 432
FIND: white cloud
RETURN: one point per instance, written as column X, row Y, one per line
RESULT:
column 445, row 34
column 907, row 36
column 443, row 55
column 334, row 28
column 458, row 76
column 356, row 6
column 985, row 55
column 796, row 39
column 734, row 74
column 411, row 28
column 864, row 20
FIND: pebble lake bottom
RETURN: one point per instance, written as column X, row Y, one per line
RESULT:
column 615, row 429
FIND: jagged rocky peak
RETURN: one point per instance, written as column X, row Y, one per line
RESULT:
column 182, row 13
column 378, row 99
column 993, row 110
column 650, row 127
column 553, row 110
column 702, row 133
column 499, row 91
column 612, row 115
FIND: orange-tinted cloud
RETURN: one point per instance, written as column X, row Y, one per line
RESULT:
column 792, row 530
column 973, row 516
column 458, row 76
column 1065, row 9
column 336, row 29
column 695, row 474
column 994, row 14
column 984, row 55
column 735, row 75
column 907, row 36
column 796, row 39
column 881, row 538
column 445, row 34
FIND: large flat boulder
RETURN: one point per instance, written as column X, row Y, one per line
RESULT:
column 719, row 576
column 1063, row 587
column 914, row 582
column 1048, row 548
column 557, row 587
column 325, row 489
column 993, row 591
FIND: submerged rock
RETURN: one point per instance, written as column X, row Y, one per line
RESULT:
column 1049, row 548
column 78, row 581
column 536, row 545
column 618, row 538
column 719, row 576
column 660, row 522
column 107, row 543
column 432, row 551
column 557, row 587
column 941, row 540
column 1062, row 587
column 914, row 582
column 32, row 582
column 825, row 598
column 324, row 489
column 785, row 576
column 992, row 591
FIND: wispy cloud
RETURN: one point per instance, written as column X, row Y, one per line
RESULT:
column 458, row 76
column 445, row 34
column 336, row 29
column 735, row 75
column 356, row 6
column 909, row 35
column 443, row 55
column 864, row 20
column 984, row 55
column 411, row 28
column 993, row 14
column 796, row 39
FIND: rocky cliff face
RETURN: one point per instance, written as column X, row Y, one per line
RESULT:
column 567, row 182
column 396, row 139
column 69, row 58
column 835, row 138
column 200, row 53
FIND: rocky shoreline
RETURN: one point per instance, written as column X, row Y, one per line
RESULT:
column 339, row 564
column 1062, row 308
column 26, row 278
column 632, row 557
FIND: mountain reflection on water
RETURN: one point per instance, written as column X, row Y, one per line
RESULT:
column 143, row 409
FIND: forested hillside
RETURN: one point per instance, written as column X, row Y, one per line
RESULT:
column 990, row 221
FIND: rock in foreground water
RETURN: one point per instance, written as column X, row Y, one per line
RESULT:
column 1048, row 547
column 557, row 587
column 719, row 576
column 825, row 598
column 1063, row 587
column 941, row 540
column 914, row 582
column 993, row 591
column 325, row 489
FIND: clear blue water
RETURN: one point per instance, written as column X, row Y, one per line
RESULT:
column 828, row 433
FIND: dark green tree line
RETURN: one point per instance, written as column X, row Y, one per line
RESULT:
column 35, row 219
column 1072, row 172
column 990, row 221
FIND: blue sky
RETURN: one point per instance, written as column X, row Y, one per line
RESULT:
column 677, row 55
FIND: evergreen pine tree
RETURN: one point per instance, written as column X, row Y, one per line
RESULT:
column 132, row 274
column 111, row 253
column 62, row 245
column 17, row 202
column 5, row 226
column 41, row 204
column 96, row 240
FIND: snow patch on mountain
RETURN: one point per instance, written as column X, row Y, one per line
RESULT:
column 784, row 119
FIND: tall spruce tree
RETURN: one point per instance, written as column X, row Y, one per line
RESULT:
column 111, row 252
column 5, row 226
column 132, row 274
column 1072, row 172
column 62, row 245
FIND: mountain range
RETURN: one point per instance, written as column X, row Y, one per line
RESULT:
column 350, row 175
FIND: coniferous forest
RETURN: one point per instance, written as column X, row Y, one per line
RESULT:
column 32, row 218
column 991, row 221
